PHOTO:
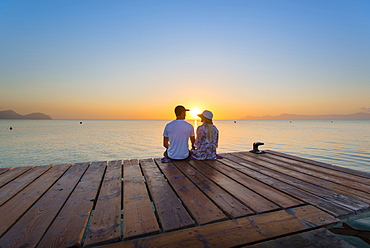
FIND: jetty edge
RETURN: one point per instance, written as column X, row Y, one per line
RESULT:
column 244, row 199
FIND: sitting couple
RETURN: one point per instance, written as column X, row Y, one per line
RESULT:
column 177, row 133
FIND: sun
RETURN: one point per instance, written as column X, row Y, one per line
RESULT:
column 195, row 112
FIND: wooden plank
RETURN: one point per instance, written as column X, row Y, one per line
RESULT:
column 346, row 201
column 19, row 183
column 202, row 209
column 105, row 224
column 365, row 175
column 131, row 169
column 309, row 215
column 28, row 230
column 230, row 205
column 12, row 174
column 254, row 201
column 69, row 225
column 330, row 207
column 275, row 165
column 3, row 170
column 320, row 238
column 325, row 174
column 171, row 212
column 12, row 210
column 324, row 170
column 237, row 232
column 139, row 217
column 272, row 194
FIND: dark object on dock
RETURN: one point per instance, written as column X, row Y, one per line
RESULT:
column 255, row 148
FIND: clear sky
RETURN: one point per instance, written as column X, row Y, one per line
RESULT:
column 139, row 59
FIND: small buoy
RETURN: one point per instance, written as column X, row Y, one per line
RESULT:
column 234, row 121
column 80, row 122
column 10, row 128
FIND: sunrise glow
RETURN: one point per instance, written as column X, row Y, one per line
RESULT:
column 195, row 112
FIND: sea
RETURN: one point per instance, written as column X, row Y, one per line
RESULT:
column 43, row 142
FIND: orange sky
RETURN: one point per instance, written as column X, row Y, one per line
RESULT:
column 124, row 61
column 223, row 107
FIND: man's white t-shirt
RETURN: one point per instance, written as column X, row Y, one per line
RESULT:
column 178, row 132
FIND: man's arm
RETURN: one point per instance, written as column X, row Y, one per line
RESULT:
column 165, row 142
column 192, row 140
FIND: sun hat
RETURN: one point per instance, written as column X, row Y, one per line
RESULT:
column 206, row 114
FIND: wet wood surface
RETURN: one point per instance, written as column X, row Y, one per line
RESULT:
column 139, row 216
column 243, row 199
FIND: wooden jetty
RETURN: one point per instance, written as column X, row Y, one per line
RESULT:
column 244, row 200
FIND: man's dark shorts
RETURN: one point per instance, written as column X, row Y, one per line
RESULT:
column 166, row 155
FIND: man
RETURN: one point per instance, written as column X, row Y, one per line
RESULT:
column 176, row 137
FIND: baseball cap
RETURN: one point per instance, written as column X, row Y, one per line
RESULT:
column 179, row 109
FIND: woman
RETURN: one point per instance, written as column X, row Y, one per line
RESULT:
column 207, row 138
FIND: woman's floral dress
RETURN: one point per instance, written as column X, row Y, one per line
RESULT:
column 206, row 148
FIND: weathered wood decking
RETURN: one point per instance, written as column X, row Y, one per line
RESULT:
column 240, row 200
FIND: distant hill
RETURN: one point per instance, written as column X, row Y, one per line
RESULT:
column 10, row 114
column 357, row 116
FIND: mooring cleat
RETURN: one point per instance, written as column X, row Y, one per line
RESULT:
column 255, row 148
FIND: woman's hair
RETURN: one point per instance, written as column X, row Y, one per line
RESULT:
column 209, row 125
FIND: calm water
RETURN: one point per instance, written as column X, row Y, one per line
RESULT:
column 42, row 142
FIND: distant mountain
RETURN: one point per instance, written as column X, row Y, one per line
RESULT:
column 357, row 116
column 10, row 114
column 37, row 116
